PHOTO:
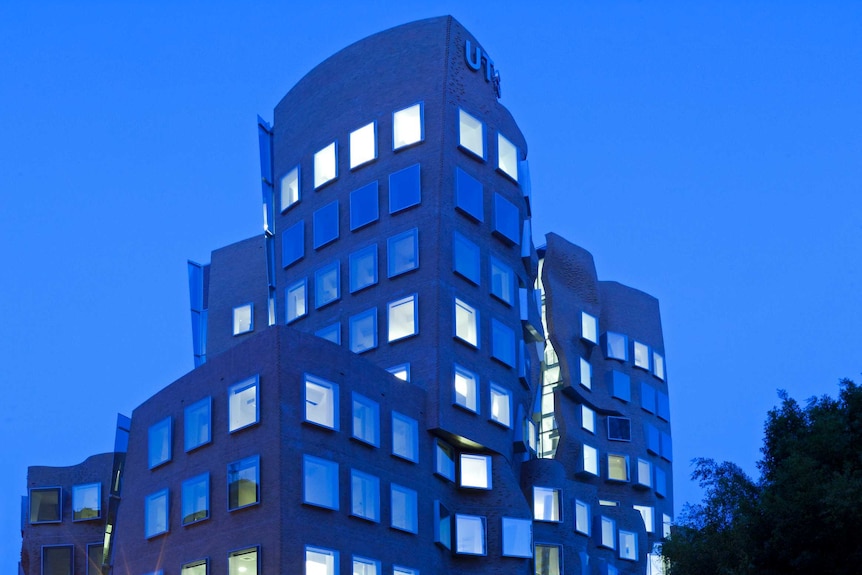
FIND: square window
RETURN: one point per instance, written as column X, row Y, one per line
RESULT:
column 404, row 509
column 364, row 206
column 293, row 244
column 442, row 525
column 502, row 343
column 156, row 513
column 548, row 560
column 588, row 419
column 469, row 534
column 507, row 220
column 501, row 405
column 363, row 145
column 405, row 189
column 86, row 501
column 57, row 560
column 159, row 442
column 297, row 298
column 403, row 252
column 466, row 385
column 290, row 188
column 405, row 437
column 641, row 355
column 408, row 126
column 465, row 258
column 644, row 473
column 331, row 332
column 658, row 365
column 364, row 495
column 589, row 328
column 363, row 566
column 647, row 515
column 590, row 459
column 444, row 463
column 620, row 385
column 46, row 505
column 618, row 467
column 243, row 319
column 244, row 562
column 325, row 165
column 401, row 371
column 617, row 346
column 476, row 471
column 198, row 424
column 320, row 561
column 546, row 504
column 608, row 533
column 320, row 482
column 243, row 483
column 469, row 195
column 327, row 284
column 363, row 268
column 363, row 331
column 517, row 537
column 507, row 157
column 403, row 318
column 502, row 281
column 619, row 428
column 466, row 323
column 628, row 545
column 366, row 420
column 193, row 568
column 196, row 499
column 471, row 134
column 326, row 224
column 582, row 517
column 321, row 402
column 242, row 404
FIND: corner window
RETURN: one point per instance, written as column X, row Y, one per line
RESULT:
column 507, row 220
column 548, row 560
column 608, row 533
column 363, row 566
column 582, row 517
column 517, row 537
column 363, row 145
column 444, row 460
column 546, row 504
column 363, row 268
column 658, row 365
column 619, row 428
column 320, row 561
column 589, row 328
column 296, row 295
column 401, row 371
column 407, row 126
column 442, row 525
column 502, row 281
column 466, row 323
column 156, row 513
column 86, row 501
column 502, row 343
column 618, row 467
column 290, row 188
column 366, row 420
column 469, row 195
column 197, row 423
column 507, row 157
column 326, row 224
column 628, row 545
column 293, row 244
column 501, row 405
column 159, row 443
column 644, row 473
column 243, row 483
column 402, row 318
column 196, row 499
column 405, row 189
column 617, row 346
column 45, row 505
column 476, row 471
column 244, row 562
column 466, row 385
column 405, row 437
column 325, row 165
column 590, row 461
column 331, row 332
column 364, row 495
column 58, row 560
column 363, row 331
column 641, row 355
column 321, row 402
column 647, row 515
column 588, row 419
column 327, row 284
column 242, row 404
column 243, row 319
column 320, row 482
column 193, row 568
column 471, row 134
column 364, row 206
column 404, row 509
column 403, row 252
column 469, row 534
column 465, row 258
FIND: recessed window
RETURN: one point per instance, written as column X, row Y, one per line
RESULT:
column 517, row 537
column 465, row 258
column 405, row 437
column 407, row 126
column 507, row 157
column 648, row 397
column 471, row 134
column 644, row 473
column 618, row 467
column 243, row 562
column 196, row 499
column 243, row 483
column 548, row 560
column 501, row 405
column 243, row 319
column 296, row 295
column 666, row 447
column 502, row 281
column 590, row 461
column 502, row 343
column 363, row 268
column 658, row 365
column 469, row 195
column 198, row 424
column 194, row 568
column 320, row 561
column 608, row 533
column 588, row 419
column 653, row 442
column 442, row 525
column 242, row 404
column 647, row 514
column 156, row 513
column 619, row 428
column 363, row 331
column 320, row 482
column 469, row 534
column 86, row 501
column 326, row 224
column 159, row 442
column 363, row 566
column 321, row 402
column 404, row 509
column 660, row 482
column 405, row 189
column 589, row 328
column 620, row 384
column 507, row 220
column 641, row 352
column 402, row 318
column 466, row 385
column 628, row 545
column 466, row 323
column 325, row 165
column 546, row 504
column 662, row 405
column 366, row 420
column 363, row 145
column 293, row 244
column 582, row 517
column 58, row 560
column 327, row 284
column 401, row 371
column 331, row 332
column 617, row 346
column 45, row 505
column 364, row 495
column 476, row 471
column 290, row 188
column 364, row 206
column 403, row 252
column 444, row 460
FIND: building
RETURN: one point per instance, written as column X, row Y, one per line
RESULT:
column 384, row 381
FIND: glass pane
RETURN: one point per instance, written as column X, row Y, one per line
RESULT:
column 641, row 355
column 293, row 244
column 405, row 436
column 197, row 568
column 548, row 560
column 327, row 284
column 197, row 424
column 243, row 562
column 87, row 501
column 45, row 505
column 586, row 373
column 290, row 188
column 331, row 333
column 404, row 511
column 364, row 206
column 405, row 189
column 466, row 323
column 407, row 126
column 296, row 306
column 507, row 157
column 502, row 343
column 465, row 389
column 160, row 442
column 321, row 398
column 365, row 495
column 618, row 468
column 156, row 518
column 363, row 268
column 589, row 327
column 466, row 258
column 320, row 561
column 325, row 165
column 242, row 404
column 445, row 461
column 320, row 481
column 366, row 419
column 546, row 504
column 470, row 533
column 243, row 487
column 507, row 219
column 363, row 331
column 326, row 224
column 57, row 560
column 363, row 145
column 403, row 252
column 469, row 195
column 517, row 537
column 501, row 410
column 242, row 319
column 591, row 460
column 475, row 471
column 402, row 318
column 617, row 346
column 588, row 419
column 196, row 499
column 471, row 133
column 502, row 281
column 582, row 517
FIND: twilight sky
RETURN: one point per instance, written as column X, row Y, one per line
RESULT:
column 708, row 153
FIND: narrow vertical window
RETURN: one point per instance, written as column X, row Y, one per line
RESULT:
column 641, row 355
column 363, row 145
column 325, row 165
column 644, row 473
column 196, row 499
column 469, row 534
column 402, row 318
column 628, row 545
column 465, row 258
column 517, row 537
column 404, row 509
column 546, row 504
column 293, row 244
column 548, row 560
column 325, row 229
column 466, row 385
column 327, row 284
column 243, row 319
column 407, row 126
column 586, row 373
column 589, row 328
column 321, row 402
column 243, row 483
column 242, row 404
column 403, row 252
column 444, row 463
column 608, row 535
column 502, row 281
column 507, row 220
column 197, row 424
column 442, row 525
column 469, row 195
column 159, row 442
column 588, row 419
column 296, row 295
column 363, row 331
column 364, row 495
column 502, row 343
column 405, row 437
column 647, row 514
column 320, row 482
column 363, row 268
column 658, row 365
column 290, row 188
column 156, row 513
column 364, row 206
column 466, row 323
column 501, row 405
column 471, row 134
column 86, row 501
column 582, row 517
column 366, row 420
column 507, row 157
column 405, row 189
column 244, row 562
column 590, row 461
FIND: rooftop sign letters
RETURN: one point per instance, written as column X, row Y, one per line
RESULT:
column 475, row 60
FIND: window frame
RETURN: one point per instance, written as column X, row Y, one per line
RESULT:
column 471, row 395
column 369, row 430
column 444, row 460
column 81, row 487
column 395, row 121
column 411, row 454
column 411, row 513
column 332, row 491
column 331, row 553
column 237, row 553
column 293, row 237
column 618, row 458
column 237, row 325
column 354, row 323
column 154, row 499
column 468, row 145
column 232, row 392
column 472, row 312
column 556, row 509
column 583, row 529
column 469, row 256
column 391, row 253
column 500, row 269
column 320, row 278
column 190, row 483
column 481, row 465
column 466, row 199
column 235, row 467
column 501, row 139
column 359, row 502
column 482, row 520
column 321, row 221
column 59, row 511
column 332, row 395
column 503, row 343
column 358, row 197
column 281, row 197
column 335, row 328
column 501, row 392
column 354, row 260
column 393, row 305
column 290, row 317
column 504, row 211
column 189, row 419
column 405, row 189
column 324, row 179
column 512, row 548
column 155, row 460
column 356, row 163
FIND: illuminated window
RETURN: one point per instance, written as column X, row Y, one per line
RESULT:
column 366, row 420
column 466, row 385
column 618, row 467
column 475, row 471
column 293, row 244
column 331, row 332
column 403, row 252
column 156, row 513
column 46, row 505
column 363, row 331
column 321, row 402
column 502, row 343
column 290, row 188
column 242, row 404
column 325, row 224
column 641, row 352
column 405, row 437
column 408, row 126
column 471, row 134
column 86, row 501
column 546, row 504
column 590, row 460
column 617, row 346
column 402, row 318
column 517, row 537
column 198, row 424
column 364, row 495
column 196, row 499
column 243, row 319
column 628, row 545
column 243, row 483
column 325, row 165
column 243, row 562
column 363, row 268
column 401, row 371
column 404, row 509
column 327, row 284
column 320, row 482
column 364, row 206
column 444, row 463
column 608, row 535
column 582, row 517
column 194, row 568
column 589, row 328
column 296, row 296
column 588, row 419
column 363, row 145
column 466, row 258
column 502, row 281
column 405, row 189
column 501, row 405
column 507, row 220
column 363, row 566
column 469, row 195
column 548, row 560
column 466, row 323
column 507, row 157
column 647, row 514
column 320, row 561
column 470, row 534
column 159, row 438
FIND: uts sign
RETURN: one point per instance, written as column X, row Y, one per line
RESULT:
column 476, row 58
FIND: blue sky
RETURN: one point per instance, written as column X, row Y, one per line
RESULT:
column 708, row 153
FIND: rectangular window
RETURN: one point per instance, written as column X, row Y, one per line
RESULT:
column 517, row 537
column 293, row 244
column 290, row 188
column 507, row 220
column 244, row 562
column 405, row 437
column 196, row 499
column 401, row 371
column 548, row 560
column 465, row 258
column 195, row 568
column 159, row 442
column 466, row 323
column 620, row 385
column 325, row 165
column 408, row 126
column 641, row 355
column 405, row 189
column 46, row 505
column 662, row 405
column 582, row 517
column 296, row 296
column 469, row 534
column 589, row 328
column 476, row 471
column 653, row 441
column 507, row 157
column 363, row 145
column 156, row 513
column 325, row 220
column 243, row 483
column 242, row 404
column 471, row 134
column 588, row 419
column 546, row 504
column 320, row 561
column 617, row 346
column 619, row 428
column 363, row 331
column 665, row 525
column 466, row 385
column 502, row 281
column 501, row 405
column 58, row 560
column 469, row 196
column 321, row 402
column 618, row 467
column 666, row 446
column 320, row 482
column 327, row 284
column 608, row 533
column 197, row 424
column 403, row 252
column 397, row 570
column 404, row 509
column 331, row 332
column 363, row 268
column 644, row 473
column 442, row 525
column 660, row 482
column 366, row 420
column 648, row 398
column 243, row 319
column 363, row 566
column 94, row 560
column 591, row 459
column 658, row 365
column 444, row 463
column 86, row 501
column 364, row 495
column 403, row 318
column 628, row 545
column 647, row 514
column 364, row 206
column 502, row 343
